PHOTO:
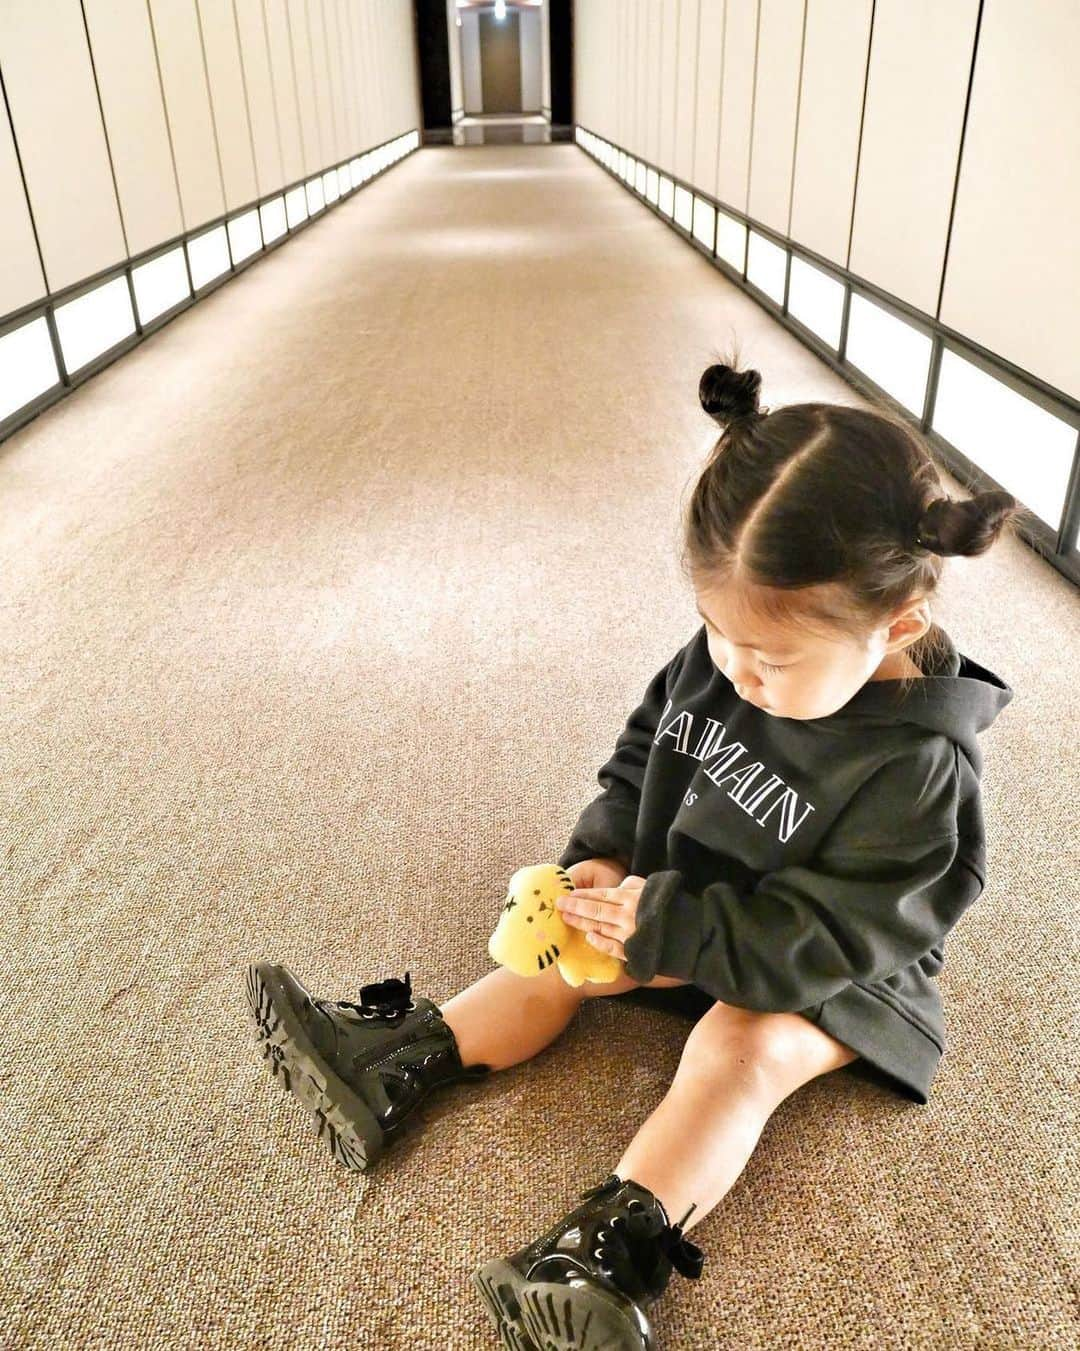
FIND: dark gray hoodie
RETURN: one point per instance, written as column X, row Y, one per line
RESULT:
column 803, row 865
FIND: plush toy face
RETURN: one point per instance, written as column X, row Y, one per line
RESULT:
column 531, row 933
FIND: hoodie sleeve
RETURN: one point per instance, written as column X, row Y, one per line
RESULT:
column 864, row 909
column 606, row 828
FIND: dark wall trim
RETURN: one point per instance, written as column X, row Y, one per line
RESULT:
column 433, row 49
column 561, row 41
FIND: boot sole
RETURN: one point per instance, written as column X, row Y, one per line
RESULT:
column 499, row 1284
column 561, row 1317
column 341, row 1118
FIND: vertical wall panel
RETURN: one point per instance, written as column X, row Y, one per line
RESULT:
column 258, row 82
column 357, row 76
column 830, row 113
column 363, row 80
column 910, row 146
column 285, row 96
column 375, row 44
column 736, row 103
column 709, row 80
column 187, row 105
column 669, row 37
column 300, row 46
column 324, row 94
column 651, row 65
column 21, row 282
column 775, row 110
column 640, row 94
column 335, row 55
column 227, row 102
column 57, row 125
column 349, row 79
column 686, row 79
column 1018, row 197
column 131, row 100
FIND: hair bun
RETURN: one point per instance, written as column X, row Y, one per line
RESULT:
column 964, row 526
column 727, row 394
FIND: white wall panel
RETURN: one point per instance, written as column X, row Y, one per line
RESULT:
column 1013, row 276
column 651, row 62
column 776, row 101
column 830, row 114
column 21, row 282
column 641, row 96
column 686, row 78
column 344, row 145
column 324, row 93
column 285, row 97
column 669, row 36
column 310, row 137
column 709, row 79
column 57, row 125
column 910, row 146
column 138, row 137
column 358, row 16
column 187, row 105
column 227, row 101
column 258, row 82
column 736, row 103
column 375, row 14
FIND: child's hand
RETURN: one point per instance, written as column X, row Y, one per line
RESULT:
column 608, row 914
column 597, row 872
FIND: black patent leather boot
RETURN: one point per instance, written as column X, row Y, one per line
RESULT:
column 586, row 1283
column 359, row 1069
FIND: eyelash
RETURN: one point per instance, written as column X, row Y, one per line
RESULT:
column 765, row 666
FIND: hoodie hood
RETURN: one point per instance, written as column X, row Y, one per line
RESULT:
column 957, row 697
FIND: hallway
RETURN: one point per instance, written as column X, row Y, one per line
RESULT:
column 321, row 609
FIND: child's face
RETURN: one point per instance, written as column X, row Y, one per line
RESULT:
column 817, row 674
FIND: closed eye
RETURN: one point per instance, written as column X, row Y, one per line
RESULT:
column 766, row 667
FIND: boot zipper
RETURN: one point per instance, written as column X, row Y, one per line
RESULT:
column 368, row 1063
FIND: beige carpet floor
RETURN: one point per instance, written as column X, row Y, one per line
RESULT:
column 318, row 614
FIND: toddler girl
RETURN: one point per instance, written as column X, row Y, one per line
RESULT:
column 790, row 825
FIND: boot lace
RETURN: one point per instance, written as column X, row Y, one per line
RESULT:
column 632, row 1239
column 382, row 999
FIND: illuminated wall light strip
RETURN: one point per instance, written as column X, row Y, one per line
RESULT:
column 273, row 219
column 705, row 223
column 208, row 256
column 331, row 190
column 27, row 366
column 160, row 284
column 96, row 321
column 986, row 421
column 245, row 236
column 896, row 356
column 816, row 300
column 313, row 189
column 296, row 207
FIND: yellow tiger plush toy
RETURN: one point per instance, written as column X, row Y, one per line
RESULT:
column 531, row 933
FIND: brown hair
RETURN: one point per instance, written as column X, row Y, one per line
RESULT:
column 820, row 495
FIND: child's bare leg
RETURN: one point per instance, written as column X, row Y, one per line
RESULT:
column 503, row 1018
column 737, row 1066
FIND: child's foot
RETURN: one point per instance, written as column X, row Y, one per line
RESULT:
column 359, row 1069
column 586, row 1283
